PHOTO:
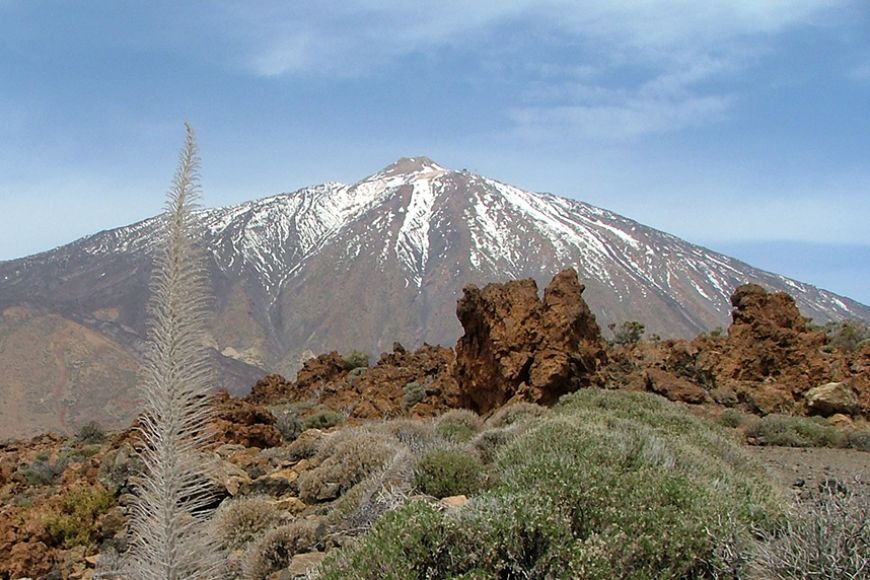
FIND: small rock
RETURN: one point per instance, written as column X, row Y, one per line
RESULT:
column 291, row 504
column 92, row 560
column 302, row 564
column 289, row 475
column 841, row 421
column 453, row 501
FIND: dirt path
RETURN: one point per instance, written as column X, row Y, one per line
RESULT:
column 804, row 470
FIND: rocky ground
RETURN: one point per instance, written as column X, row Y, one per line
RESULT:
column 803, row 470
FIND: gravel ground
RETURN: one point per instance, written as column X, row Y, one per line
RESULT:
column 806, row 470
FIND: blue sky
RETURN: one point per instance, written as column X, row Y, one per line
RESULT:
column 741, row 125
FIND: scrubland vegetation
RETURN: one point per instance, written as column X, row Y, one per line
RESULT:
column 606, row 484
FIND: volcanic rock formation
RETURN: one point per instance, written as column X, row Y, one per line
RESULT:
column 517, row 345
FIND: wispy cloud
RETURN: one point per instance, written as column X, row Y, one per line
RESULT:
column 679, row 47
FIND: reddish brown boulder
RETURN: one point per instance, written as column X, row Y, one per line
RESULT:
column 674, row 387
column 240, row 421
column 517, row 345
column 369, row 392
column 315, row 372
column 770, row 357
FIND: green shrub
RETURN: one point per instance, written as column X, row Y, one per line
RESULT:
column 305, row 446
column 383, row 491
column 409, row 542
column 609, row 485
column 355, row 360
column 237, row 522
column 515, row 413
column 629, row 332
column 789, row 431
column 458, row 425
column 322, row 418
column 732, row 418
column 488, row 442
column 274, row 551
column 446, row 472
column 42, row 471
column 857, row 439
column 847, row 335
column 417, row 436
column 73, row 522
column 413, row 394
column 91, row 432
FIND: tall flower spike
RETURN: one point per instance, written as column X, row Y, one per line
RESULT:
column 169, row 539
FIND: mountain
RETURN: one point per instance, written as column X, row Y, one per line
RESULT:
column 344, row 267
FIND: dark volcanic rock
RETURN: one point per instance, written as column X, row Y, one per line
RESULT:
column 519, row 346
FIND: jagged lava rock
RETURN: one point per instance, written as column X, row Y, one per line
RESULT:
column 243, row 422
column 315, row 372
column 371, row 392
column 519, row 346
column 770, row 357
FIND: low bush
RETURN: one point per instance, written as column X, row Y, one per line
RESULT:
column 417, row 436
column 356, row 359
column 629, row 332
column 288, row 422
column 857, row 439
column 91, row 432
column 609, row 484
column 515, row 413
column 847, row 335
column 827, row 537
column 356, row 373
column 274, row 551
column 322, row 418
column 237, row 522
column 732, row 418
column 446, row 472
column 345, row 463
column 42, row 470
column 413, row 393
column 458, row 425
column 789, row 431
column 73, row 521
column 488, row 442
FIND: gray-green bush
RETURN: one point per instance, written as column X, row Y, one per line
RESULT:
column 238, row 522
column 446, row 472
column 413, row 393
column 610, row 484
column 274, row 551
column 322, row 418
column 789, row 431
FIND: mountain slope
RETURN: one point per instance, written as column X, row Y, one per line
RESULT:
column 340, row 266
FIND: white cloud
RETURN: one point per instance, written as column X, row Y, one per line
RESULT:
column 293, row 36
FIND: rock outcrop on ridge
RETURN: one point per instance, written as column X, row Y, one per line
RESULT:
column 519, row 346
column 769, row 361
